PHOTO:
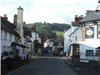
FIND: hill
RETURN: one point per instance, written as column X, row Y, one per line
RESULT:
column 50, row 30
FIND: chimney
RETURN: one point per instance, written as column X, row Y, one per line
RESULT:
column 24, row 23
column 5, row 17
column 76, row 18
column 81, row 17
column 15, row 20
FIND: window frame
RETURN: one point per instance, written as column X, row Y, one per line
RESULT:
column 89, row 53
column 4, row 35
column 10, row 35
column 98, row 31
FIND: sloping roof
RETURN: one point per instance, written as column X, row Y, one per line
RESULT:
column 74, row 31
column 27, row 31
column 14, row 44
column 75, row 23
column 91, row 16
column 9, row 27
column 30, row 25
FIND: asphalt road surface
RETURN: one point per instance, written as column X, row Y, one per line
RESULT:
column 44, row 66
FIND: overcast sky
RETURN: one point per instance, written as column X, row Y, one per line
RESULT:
column 59, row 11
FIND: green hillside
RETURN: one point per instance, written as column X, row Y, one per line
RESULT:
column 50, row 30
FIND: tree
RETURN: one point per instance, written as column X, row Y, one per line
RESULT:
column 49, row 30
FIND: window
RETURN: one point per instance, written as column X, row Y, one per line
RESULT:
column 89, row 32
column 1, row 34
column 8, row 48
column 35, row 35
column 89, row 53
column 97, row 52
column 10, row 39
column 76, row 38
column 98, row 31
column 4, row 48
column 4, row 35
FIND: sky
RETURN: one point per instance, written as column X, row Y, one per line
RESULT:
column 52, row 11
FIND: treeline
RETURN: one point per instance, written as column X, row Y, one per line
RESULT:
column 50, row 29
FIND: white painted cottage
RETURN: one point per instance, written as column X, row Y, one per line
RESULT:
column 8, row 35
column 84, row 40
column 72, row 35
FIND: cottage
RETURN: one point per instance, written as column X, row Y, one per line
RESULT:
column 84, row 40
column 28, row 41
column 8, row 35
column 72, row 36
column 90, row 40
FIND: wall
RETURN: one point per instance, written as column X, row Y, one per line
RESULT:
column 35, row 36
column 90, row 43
column 0, row 42
column 66, row 40
column 6, row 39
column 70, row 37
column 20, row 23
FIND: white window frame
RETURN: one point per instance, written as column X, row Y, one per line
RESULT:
column 98, row 31
column 10, row 39
column 4, row 35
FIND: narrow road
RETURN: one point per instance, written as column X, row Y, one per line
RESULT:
column 44, row 66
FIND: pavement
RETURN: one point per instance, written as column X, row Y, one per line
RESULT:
column 44, row 66
column 82, row 69
column 85, row 70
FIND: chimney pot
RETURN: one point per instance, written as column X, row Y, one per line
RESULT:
column 15, row 20
column 5, row 16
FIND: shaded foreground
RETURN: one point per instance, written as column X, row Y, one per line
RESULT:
column 44, row 66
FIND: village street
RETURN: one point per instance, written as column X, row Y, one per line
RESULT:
column 50, row 65
column 47, row 40
column 45, row 66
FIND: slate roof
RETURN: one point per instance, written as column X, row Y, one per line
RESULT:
column 75, row 24
column 74, row 31
column 14, row 44
column 27, row 31
column 92, row 16
column 9, row 27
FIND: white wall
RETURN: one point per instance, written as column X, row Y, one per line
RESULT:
column 6, row 40
column 0, row 42
column 19, row 27
column 20, row 49
column 66, row 39
column 93, row 42
column 35, row 36
column 85, row 44
column 76, row 36
column 29, row 45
